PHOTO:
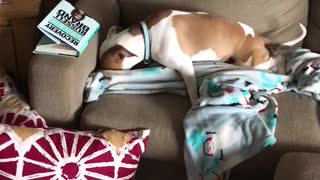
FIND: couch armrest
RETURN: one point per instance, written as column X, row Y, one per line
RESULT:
column 56, row 84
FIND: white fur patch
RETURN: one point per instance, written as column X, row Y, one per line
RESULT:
column 129, row 62
column 207, row 54
column 167, row 51
column 165, row 46
column 247, row 29
column 133, row 44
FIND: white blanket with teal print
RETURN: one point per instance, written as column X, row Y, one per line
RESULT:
column 235, row 116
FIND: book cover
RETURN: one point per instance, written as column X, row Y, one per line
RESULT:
column 66, row 24
column 49, row 47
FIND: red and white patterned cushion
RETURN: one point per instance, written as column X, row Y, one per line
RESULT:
column 6, row 86
column 27, row 118
column 13, row 109
column 35, row 153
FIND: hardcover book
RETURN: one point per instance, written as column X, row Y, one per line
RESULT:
column 67, row 31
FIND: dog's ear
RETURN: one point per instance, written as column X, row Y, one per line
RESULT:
column 113, row 31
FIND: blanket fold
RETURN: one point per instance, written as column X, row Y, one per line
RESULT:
column 234, row 119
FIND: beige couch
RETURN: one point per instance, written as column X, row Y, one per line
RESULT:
column 298, row 166
column 57, row 84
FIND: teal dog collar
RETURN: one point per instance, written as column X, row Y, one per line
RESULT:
column 147, row 44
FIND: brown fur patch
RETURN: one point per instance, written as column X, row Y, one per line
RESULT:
column 196, row 32
column 113, row 58
column 259, row 56
column 154, row 18
column 253, row 47
column 135, row 30
column 150, row 21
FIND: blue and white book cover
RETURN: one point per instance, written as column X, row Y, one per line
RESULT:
column 67, row 24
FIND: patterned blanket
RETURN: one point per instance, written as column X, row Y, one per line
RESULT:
column 235, row 116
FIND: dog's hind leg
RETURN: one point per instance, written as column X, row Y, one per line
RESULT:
column 185, row 67
column 188, row 75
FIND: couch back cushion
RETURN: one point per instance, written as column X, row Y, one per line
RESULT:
column 312, row 41
column 277, row 20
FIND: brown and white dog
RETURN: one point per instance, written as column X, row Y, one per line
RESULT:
column 178, row 38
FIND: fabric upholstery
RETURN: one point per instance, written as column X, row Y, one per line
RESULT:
column 7, row 55
column 13, row 109
column 312, row 40
column 40, row 153
column 106, row 12
column 57, row 84
column 298, row 166
column 24, row 31
column 280, row 23
column 275, row 19
column 160, row 170
column 297, row 130
column 161, row 113
column 298, row 126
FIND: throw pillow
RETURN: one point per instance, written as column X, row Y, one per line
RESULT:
column 37, row 153
column 27, row 118
column 6, row 86
column 13, row 109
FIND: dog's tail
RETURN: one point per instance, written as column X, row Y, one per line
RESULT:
column 298, row 39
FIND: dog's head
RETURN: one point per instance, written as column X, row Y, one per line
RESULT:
column 121, row 49
column 279, row 55
column 273, row 57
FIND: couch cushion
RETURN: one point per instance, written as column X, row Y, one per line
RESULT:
column 276, row 19
column 312, row 40
column 149, row 170
column 298, row 166
column 162, row 113
column 298, row 129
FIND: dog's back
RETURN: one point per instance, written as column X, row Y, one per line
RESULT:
column 200, row 36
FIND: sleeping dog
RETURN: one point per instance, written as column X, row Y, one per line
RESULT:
column 176, row 38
